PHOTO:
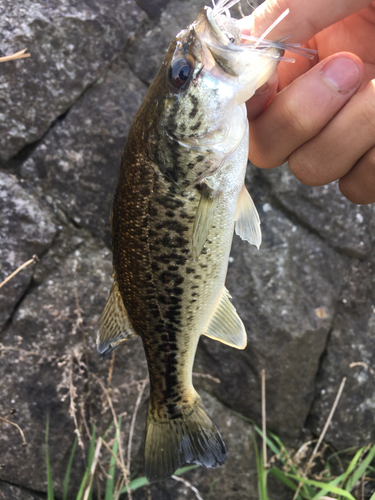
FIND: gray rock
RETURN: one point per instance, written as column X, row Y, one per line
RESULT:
column 350, row 353
column 324, row 210
column 26, row 228
column 70, row 43
column 153, row 8
column 84, row 151
column 11, row 492
column 286, row 294
column 51, row 344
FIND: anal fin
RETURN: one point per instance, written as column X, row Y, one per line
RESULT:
column 247, row 219
column 225, row 325
column 114, row 327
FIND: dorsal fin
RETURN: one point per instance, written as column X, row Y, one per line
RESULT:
column 225, row 325
column 203, row 219
column 247, row 219
column 114, row 327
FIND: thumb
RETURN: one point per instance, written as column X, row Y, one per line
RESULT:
column 301, row 110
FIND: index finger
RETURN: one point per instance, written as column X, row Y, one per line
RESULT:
column 305, row 19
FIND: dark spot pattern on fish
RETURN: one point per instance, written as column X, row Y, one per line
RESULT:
column 196, row 126
column 194, row 102
column 172, row 225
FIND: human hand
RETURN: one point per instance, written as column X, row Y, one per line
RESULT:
column 321, row 113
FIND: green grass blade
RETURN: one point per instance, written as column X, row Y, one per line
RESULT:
column 50, row 495
column 67, row 474
column 324, row 491
column 372, row 496
column 327, row 486
column 112, row 465
column 262, row 475
column 210, row 491
column 352, row 465
column 82, row 486
column 181, row 471
column 271, row 445
column 138, row 482
column 361, row 469
column 90, row 458
column 278, row 474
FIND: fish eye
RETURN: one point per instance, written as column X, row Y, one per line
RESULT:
column 180, row 73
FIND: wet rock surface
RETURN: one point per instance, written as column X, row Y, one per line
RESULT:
column 84, row 150
column 71, row 44
column 348, row 228
column 9, row 491
column 351, row 354
column 26, row 229
column 306, row 297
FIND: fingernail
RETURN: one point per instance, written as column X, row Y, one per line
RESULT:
column 342, row 73
column 262, row 89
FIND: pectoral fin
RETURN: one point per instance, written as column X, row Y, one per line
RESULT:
column 247, row 219
column 203, row 219
column 225, row 325
column 114, row 327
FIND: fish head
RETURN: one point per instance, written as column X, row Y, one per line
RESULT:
column 207, row 74
column 208, row 66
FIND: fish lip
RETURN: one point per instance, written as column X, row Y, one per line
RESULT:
column 225, row 53
column 229, row 56
column 216, row 28
column 220, row 39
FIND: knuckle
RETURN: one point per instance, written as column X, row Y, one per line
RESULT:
column 296, row 119
column 351, row 191
column 368, row 112
column 304, row 167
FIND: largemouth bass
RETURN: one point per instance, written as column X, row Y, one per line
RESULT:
column 179, row 195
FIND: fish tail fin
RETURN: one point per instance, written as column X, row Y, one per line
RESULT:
column 187, row 437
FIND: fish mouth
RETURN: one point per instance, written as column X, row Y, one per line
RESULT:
column 225, row 29
column 223, row 38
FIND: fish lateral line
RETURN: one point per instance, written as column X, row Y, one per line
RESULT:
column 168, row 340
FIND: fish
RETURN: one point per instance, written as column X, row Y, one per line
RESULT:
column 180, row 195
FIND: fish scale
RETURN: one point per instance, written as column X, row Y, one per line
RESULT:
column 179, row 195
